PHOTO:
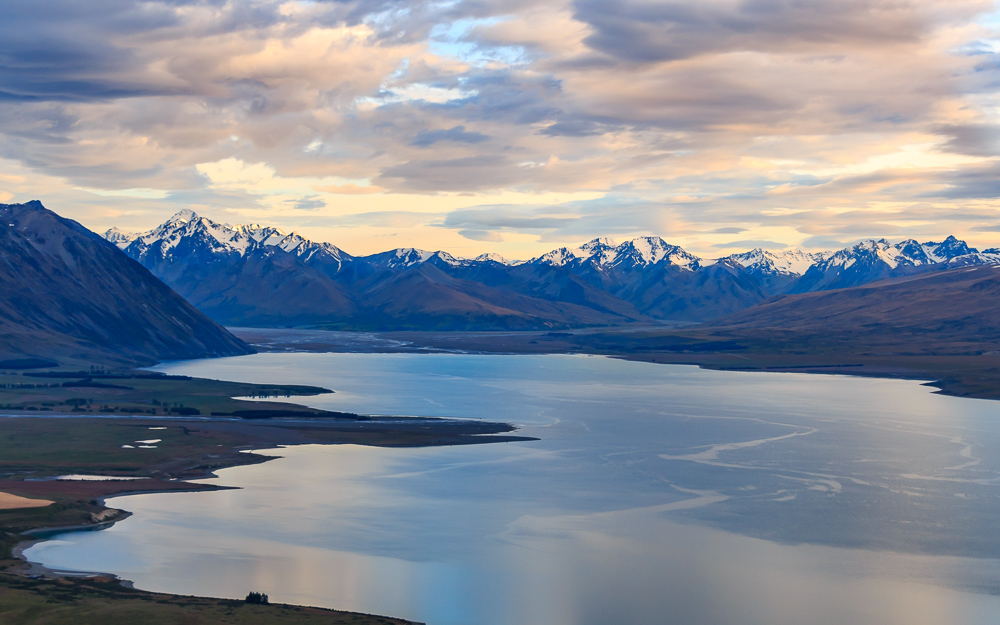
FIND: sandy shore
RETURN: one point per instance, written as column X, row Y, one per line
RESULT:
column 12, row 502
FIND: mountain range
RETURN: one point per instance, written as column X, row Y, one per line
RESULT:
column 255, row 275
column 71, row 296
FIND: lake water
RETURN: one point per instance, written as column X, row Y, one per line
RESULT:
column 657, row 494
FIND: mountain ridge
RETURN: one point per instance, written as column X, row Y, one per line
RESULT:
column 72, row 295
column 240, row 275
column 644, row 250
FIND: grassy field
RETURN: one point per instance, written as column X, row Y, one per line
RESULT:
column 104, row 601
column 143, row 393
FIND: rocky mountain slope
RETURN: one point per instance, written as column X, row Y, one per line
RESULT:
column 71, row 296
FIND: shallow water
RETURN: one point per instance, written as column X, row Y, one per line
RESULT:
column 656, row 494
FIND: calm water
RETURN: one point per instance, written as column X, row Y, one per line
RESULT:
column 656, row 494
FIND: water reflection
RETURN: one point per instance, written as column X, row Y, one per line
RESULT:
column 615, row 516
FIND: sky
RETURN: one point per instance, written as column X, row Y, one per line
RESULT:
column 511, row 126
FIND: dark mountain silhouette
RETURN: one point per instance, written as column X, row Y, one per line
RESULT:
column 72, row 296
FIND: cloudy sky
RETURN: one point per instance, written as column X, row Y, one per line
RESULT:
column 512, row 126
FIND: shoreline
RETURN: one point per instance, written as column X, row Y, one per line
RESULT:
column 950, row 368
column 193, row 448
column 37, row 570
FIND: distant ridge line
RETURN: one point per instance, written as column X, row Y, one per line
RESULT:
column 255, row 275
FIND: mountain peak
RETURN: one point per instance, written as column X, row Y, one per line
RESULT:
column 785, row 262
column 650, row 250
column 598, row 243
column 491, row 257
column 119, row 237
column 215, row 239
column 183, row 216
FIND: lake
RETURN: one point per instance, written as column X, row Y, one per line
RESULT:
column 656, row 494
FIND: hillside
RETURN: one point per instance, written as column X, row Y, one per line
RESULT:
column 941, row 312
column 73, row 297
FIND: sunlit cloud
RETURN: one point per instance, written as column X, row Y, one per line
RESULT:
column 509, row 125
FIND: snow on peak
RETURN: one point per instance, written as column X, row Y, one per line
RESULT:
column 946, row 250
column 558, row 257
column 408, row 256
column 445, row 257
column 490, row 257
column 596, row 246
column 183, row 216
column 604, row 252
column 785, row 262
column 404, row 257
column 869, row 250
column 120, row 237
column 908, row 253
column 644, row 251
column 220, row 238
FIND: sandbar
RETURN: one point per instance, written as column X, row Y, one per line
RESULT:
column 12, row 502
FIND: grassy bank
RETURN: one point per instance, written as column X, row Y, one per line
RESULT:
column 99, row 391
column 100, row 601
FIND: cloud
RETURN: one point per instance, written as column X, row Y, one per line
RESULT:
column 645, row 31
column 481, row 235
column 775, row 120
column 728, row 230
column 969, row 183
column 974, row 139
column 752, row 243
column 509, row 217
column 459, row 174
column 573, row 128
column 427, row 138
column 384, row 219
column 826, row 243
column 307, row 203
column 348, row 189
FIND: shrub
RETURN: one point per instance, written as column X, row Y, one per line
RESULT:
column 257, row 597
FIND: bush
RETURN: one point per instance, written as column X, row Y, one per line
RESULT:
column 257, row 597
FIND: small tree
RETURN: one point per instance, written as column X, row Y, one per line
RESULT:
column 257, row 597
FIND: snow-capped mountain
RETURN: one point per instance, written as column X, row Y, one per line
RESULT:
column 908, row 253
column 646, row 251
column 776, row 271
column 873, row 260
column 204, row 236
column 259, row 275
column 243, row 273
column 399, row 258
column 785, row 262
column 119, row 237
column 405, row 257
column 491, row 257
column 560, row 257
column 604, row 252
